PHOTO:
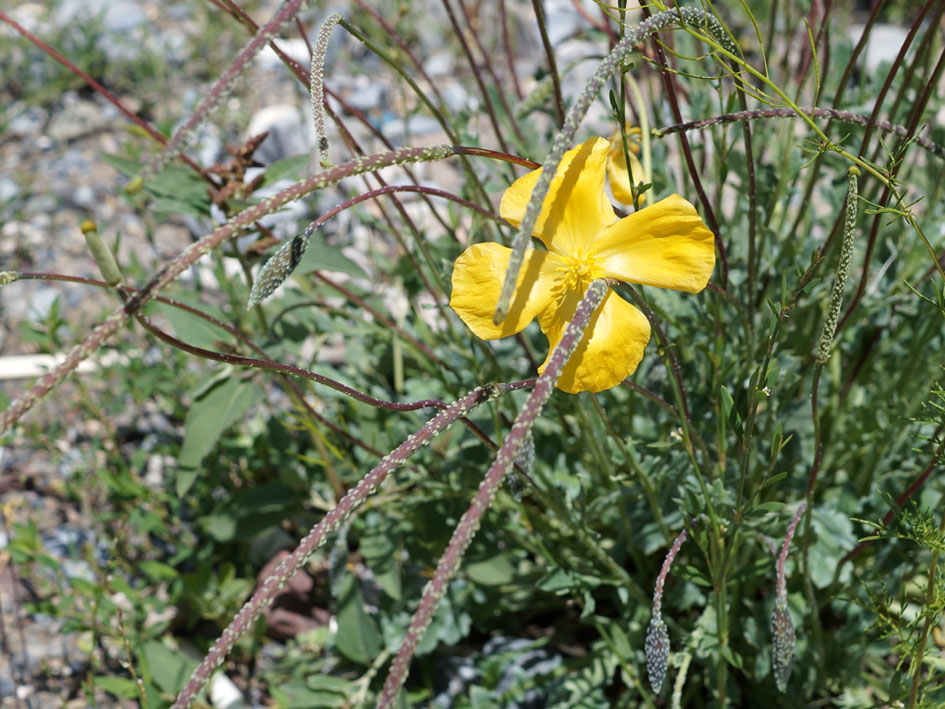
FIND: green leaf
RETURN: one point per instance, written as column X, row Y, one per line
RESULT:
column 176, row 190
column 227, row 400
column 295, row 695
column 321, row 256
column 765, row 508
column 357, row 637
column 221, row 527
column 496, row 571
column 191, row 328
column 121, row 687
column 293, row 167
column 157, row 571
column 170, row 669
column 773, row 479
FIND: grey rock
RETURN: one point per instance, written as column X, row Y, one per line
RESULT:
column 439, row 65
column 563, row 21
column 40, row 302
column 30, row 121
column 882, row 46
column 84, row 196
column 455, row 97
column 296, row 49
column 116, row 16
column 287, row 133
column 397, row 130
column 8, row 190
column 75, row 119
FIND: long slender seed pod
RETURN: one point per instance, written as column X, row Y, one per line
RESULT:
column 217, row 95
column 267, row 590
column 782, row 627
column 104, row 258
column 471, row 519
column 846, row 255
column 317, row 87
column 657, row 636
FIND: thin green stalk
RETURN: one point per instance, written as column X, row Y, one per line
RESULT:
column 646, row 483
column 550, row 55
column 929, row 619
column 826, row 145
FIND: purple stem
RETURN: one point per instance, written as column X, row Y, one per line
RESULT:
column 782, row 557
column 669, row 84
column 487, row 100
column 469, row 524
column 221, row 89
column 661, row 579
column 507, row 46
column 488, row 62
column 831, row 113
column 271, row 586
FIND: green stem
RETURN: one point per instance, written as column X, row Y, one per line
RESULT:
column 929, row 618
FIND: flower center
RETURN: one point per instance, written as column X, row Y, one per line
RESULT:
column 579, row 271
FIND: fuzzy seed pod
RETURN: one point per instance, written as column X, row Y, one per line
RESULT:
column 657, row 652
column 846, row 255
column 525, row 459
column 782, row 651
column 279, row 267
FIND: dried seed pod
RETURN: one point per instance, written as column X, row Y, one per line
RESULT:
column 657, row 652
column 279, row 267
column 782, row 651
column 525, row 459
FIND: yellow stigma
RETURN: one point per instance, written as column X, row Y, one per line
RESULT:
column 580, row 271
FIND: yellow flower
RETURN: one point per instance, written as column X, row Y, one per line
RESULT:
column 665, row 245
column 617, row 166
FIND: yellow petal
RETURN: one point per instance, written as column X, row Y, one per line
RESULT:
column 620, row 181
column 576, row 208
column 665, row 245
column 610, row 350
column 477, row 280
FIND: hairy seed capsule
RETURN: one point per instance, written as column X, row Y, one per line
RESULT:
column 279, row 267
column 525, row 460
column 657, row 652
column 782, row 652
